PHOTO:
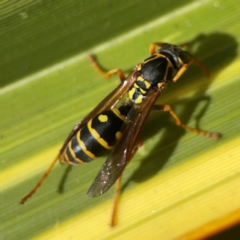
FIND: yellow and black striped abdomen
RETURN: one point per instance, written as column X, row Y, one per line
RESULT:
column 98, row 136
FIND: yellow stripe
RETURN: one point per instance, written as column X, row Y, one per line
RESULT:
column 64, row 158
column 169, row 65
column 131, row 93
column 83, row 147
column 97, row 136
column 156, row 56
column 139, row 99
column 73, row 154
column 142, row 91
column 140, row 78
column 70, row 150
column 170, row 195
column 135, row 85
column 118, row 114
column 147, row 84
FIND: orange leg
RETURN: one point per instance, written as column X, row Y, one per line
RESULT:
column 117, row 190
column 179, row 123
column 153, row 46
column 106, row 74
column 186, row 65
column 41, row 180
column 115, row 202
column 201, row 65
column 139, row 144
column 195, row 61
column 181, row 71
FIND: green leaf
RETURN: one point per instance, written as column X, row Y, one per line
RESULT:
column 178, row 185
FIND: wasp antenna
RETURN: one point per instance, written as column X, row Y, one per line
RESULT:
column 202, row 66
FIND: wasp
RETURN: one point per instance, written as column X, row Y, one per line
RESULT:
column 115, row 125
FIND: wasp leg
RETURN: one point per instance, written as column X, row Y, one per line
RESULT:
column 41, row 180
column 186, row 65
column 153, row 46
column 195, row 60
column 181, row 71
column 118, row 187
column 106, row 74
column 200, row 64
column 115, row 202
column 139, row 144
column 179, row 123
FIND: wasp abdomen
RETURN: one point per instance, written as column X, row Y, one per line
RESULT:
column 98, row 136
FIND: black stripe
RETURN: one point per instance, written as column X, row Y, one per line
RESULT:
column 91, row 143
column 79, row 153
column 142, row 85
column 70, row 157
column 107, row 130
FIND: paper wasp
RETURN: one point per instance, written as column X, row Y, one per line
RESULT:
column 116, row 123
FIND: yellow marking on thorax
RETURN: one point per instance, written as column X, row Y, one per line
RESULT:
column 147, row 84
column 118, row 114
column 139, row 99
column 168, row 67
column 142, row 91
column 156, row 55
column 131, row 93
column 140, row 78
column 135, row 85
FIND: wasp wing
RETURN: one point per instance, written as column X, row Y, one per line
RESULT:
column 122, row 152
column 108, row 102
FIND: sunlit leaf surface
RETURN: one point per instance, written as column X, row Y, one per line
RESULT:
column 179, row 185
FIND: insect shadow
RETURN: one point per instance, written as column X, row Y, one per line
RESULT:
column 221, row 55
